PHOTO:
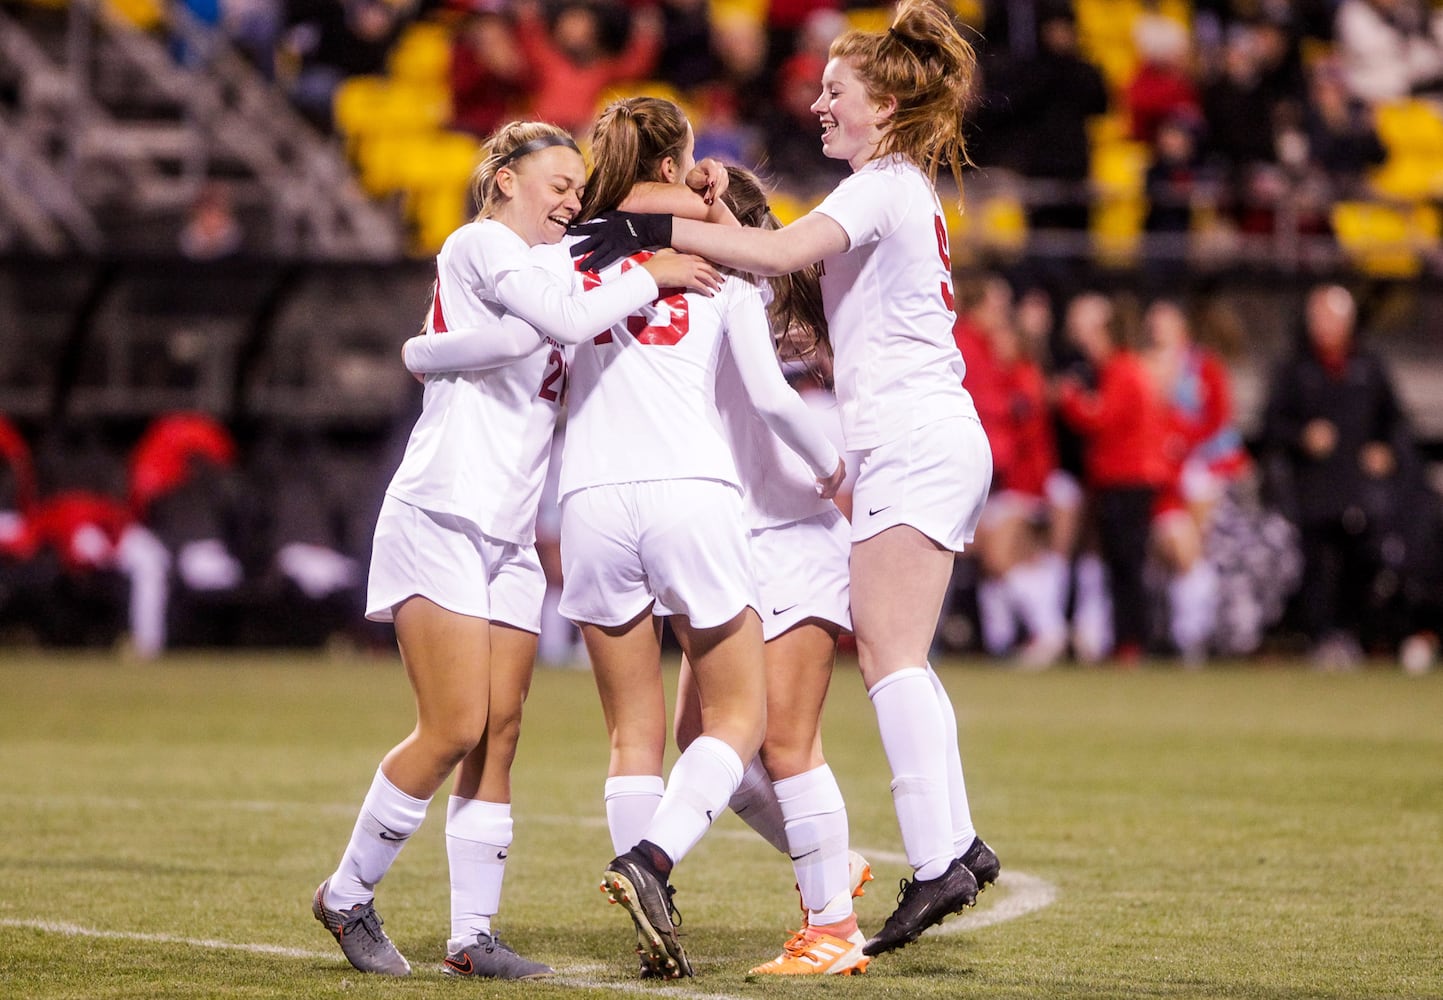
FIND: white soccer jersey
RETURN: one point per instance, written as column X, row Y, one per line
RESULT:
column 642, row 402
column 889, row 305
column 778, row 487
column 480, row 447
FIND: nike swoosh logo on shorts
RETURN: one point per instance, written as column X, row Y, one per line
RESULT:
column 874, row 511
column 782, row 611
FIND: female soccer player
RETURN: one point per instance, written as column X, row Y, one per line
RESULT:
column 892, row 106
column 799, row 545
column 652, row 524
column 454, row 564
column 652, row 520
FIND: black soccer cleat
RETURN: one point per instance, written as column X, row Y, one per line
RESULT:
column 646, row 896
column 982, row 862
column 922, row 904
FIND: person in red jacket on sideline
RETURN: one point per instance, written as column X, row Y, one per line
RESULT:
column 1023, row 577
column 1124, row 423
column 569, row 68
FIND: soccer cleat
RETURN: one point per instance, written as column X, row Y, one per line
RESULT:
column 358, row 932
column 982, row 862
column 922, row 904
column 488, row 957
column 814, row 952
column 630, row 881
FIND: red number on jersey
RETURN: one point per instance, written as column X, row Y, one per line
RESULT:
column 553, row 383
column 946, row 263
column 670, row 314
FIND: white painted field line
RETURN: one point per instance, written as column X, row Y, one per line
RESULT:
column 75, row 930
column 572, row 975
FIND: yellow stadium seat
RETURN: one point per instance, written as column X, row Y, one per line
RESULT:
column 750, row 10
column 1117, row 230
column 422, row 55
column 442, row 160
column 1119, row 167
column 147, row 15
column 1410, row 127
column 435, row 214
column 1385, row 240
column 874, row 19
column 1409, row 178
column 1002, row 224
column 373, row 105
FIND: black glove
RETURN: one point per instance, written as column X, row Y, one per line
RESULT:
column 615, row 235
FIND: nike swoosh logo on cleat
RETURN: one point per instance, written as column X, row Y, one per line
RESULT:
column 456, row 963
column 874, row 511
column 782, row 611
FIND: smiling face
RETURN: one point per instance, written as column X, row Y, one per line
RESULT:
column 852, row 122
column 542, row 193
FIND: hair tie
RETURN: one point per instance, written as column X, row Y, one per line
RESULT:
column 536, row 145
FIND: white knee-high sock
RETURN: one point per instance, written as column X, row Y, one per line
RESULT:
column 1031, row 588
column 1092, row 611
column 387, row 819
column 147, row 563
column 816, row 819
column 478, row 841
column 1193, row 606
column 961, row 812
column 910, row 721
column 701, row 782
column 995, row 615
column 755, row 802
column 631, row 801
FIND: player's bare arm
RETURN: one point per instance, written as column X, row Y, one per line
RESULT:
column 760, row 251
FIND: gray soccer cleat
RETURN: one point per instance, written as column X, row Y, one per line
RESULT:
column 630, row 881
column 358, row 932
column 488, row 957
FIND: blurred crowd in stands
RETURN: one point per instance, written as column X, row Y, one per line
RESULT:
column 1245, row 110
column 1128, row 518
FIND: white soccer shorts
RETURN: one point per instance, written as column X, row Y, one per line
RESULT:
column 933, row 478
column 451, row 562
column 679, row 543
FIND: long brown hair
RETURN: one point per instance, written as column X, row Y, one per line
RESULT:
column 795, row 313
column 628, row 144
column 500, row 147
column 925, row 63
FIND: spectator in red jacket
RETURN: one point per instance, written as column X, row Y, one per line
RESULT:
column 1124, row 424
column 570, row 66
column 1024, row 578
column 1162, row 87
column 489, row 76
column 17, row 495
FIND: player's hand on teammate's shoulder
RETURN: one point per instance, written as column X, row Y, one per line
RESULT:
column 708, row 179
column 610, row 237
column 683, row 270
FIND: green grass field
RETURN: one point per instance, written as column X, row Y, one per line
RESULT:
column 1250, row 831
